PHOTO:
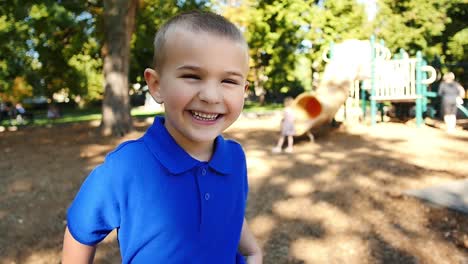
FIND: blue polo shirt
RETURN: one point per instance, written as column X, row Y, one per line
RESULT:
column 166, row 206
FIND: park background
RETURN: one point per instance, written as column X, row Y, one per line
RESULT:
column 336, row 200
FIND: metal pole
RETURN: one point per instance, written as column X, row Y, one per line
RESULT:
column 363, row 100
column 373, row 104
column 424, row 88
column 419, row 99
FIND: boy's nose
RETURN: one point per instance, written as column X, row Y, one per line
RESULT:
column 211, row 93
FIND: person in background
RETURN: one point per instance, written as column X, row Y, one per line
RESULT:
column 452, row 94
column 20, row 113
column 53, row 112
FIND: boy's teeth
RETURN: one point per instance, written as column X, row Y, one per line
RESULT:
column 203, row 116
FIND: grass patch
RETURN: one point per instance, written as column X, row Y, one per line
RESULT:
column 91, row 114
column 142, row 113
column 73, row 116
column 256, row 107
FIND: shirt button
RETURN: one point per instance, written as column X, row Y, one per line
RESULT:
column 207, row 196
column 203, row 172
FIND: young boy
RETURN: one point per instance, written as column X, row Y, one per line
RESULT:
column 178, row 194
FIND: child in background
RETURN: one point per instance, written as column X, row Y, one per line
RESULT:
column 287, row 127
column 178, row 194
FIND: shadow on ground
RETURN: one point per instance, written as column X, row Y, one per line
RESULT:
column 337, row 200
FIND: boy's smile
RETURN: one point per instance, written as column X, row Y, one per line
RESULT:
column 202, row 83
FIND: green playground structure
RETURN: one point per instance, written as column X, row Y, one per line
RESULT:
column 358, row 67
column 463, row 109
column 401, row 79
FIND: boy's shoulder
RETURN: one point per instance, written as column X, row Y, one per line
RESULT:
column 127, row 147
column 235, row 148
column 128, row 153
column 231, row 143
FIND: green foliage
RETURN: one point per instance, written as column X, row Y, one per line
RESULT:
column 14, row 59
column 56, row 46
column 344, row 19
column 58, row 35
column 335, row 22
column 43, row 43
column 51, row 46
column 454, row 38
column 458, row 45
column 150, row 16
column 436, row 27
column 287, row 36
column 90, row 87
column 412, row 24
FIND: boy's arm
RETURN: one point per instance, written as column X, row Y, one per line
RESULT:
column 75, row 252
column 248, row 246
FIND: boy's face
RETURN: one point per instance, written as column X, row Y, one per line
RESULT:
column 202, row 83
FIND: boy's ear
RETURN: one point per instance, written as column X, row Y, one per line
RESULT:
column 152, row 80
column 246, row 87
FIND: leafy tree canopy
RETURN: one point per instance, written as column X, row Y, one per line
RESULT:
column 56, row 47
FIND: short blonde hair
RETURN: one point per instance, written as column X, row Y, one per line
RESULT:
column 288, row 101
column 196, row 21
column 449, row 76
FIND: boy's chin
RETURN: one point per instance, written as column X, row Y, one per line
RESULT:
column 205, row 138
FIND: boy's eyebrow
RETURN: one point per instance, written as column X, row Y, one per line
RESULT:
column 235, row 73
column 188, row 67
column 196, row 68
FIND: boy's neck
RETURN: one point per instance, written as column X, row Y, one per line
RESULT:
column 201, row 151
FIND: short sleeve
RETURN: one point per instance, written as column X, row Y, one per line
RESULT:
column 94, row 212
column 245, row 177
column 239, row 258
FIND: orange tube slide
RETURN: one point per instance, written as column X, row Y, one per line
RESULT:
column 313, row 110
column 351, row 61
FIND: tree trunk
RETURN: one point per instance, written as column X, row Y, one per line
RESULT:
column 119, row 21
column 258, row 85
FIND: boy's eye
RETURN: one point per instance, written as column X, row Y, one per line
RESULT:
column 230, row 81
column 191, row 76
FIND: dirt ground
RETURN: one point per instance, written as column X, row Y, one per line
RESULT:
column 338, row 200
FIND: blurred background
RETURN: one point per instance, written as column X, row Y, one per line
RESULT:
column 336, row 200
column 53, row 53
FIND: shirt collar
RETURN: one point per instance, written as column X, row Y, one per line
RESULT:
column 175, row 158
